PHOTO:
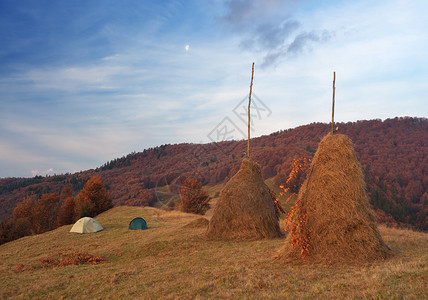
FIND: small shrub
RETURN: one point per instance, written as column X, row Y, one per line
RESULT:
column 193, row 198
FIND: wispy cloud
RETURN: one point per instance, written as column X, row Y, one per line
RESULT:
column 298, row 45
column 269, row 28
column 269, row 36
column 114, row 78
column 73, row 79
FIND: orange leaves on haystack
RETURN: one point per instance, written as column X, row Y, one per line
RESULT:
column 295, row 222
column 278, row 207
column 299, row 170
column 193, row 199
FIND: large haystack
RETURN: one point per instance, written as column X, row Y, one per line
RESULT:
column 340, row 225
column 244, row 210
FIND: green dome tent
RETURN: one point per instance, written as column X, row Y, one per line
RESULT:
column 138, row 223
column 86, row 225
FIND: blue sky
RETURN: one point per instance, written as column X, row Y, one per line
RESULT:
column 84, row 82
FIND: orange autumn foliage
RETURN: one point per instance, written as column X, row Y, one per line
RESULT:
column 34, row 216
column 62, row 259
column 66, row 212
column 193, row 198
column 66, row 258
column 45, row 213
column 93, row 199
column 38, row 214
column 278, row 207
column 295, row 222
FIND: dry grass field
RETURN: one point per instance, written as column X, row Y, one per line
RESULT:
column 171, row 261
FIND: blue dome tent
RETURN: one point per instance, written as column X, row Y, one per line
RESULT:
column 138, row 223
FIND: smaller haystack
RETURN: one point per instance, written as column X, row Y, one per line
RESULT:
column 244, row 210
column 340, row 226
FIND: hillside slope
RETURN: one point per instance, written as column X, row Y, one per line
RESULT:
column 169, row 260
column 393, row 153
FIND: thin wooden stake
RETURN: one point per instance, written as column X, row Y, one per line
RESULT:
column 332, row 109
column 249, row 104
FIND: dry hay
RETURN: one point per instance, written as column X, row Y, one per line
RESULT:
column 340, row 226
column 244, row 210
column 198, row 223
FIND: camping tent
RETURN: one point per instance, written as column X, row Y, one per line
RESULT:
column 86, row 225
column 138, row 223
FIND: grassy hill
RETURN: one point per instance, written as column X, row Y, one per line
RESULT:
column 170, row 260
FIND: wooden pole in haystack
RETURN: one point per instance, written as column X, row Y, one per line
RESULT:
column 249, row 104
column 332, row 110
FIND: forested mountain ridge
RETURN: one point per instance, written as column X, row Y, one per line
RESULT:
column 393, row 154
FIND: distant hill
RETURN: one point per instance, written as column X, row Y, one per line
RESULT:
column 393, row 153
column 172, row 259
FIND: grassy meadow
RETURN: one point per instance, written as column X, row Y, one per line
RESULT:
column 170, row 260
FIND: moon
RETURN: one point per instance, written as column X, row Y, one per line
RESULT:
column 187, row 47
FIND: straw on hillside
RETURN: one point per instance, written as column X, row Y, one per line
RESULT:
column 244, row 210
column 335, row 211
column 198, row 223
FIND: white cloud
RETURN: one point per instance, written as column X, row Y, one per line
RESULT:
column 150, row 92
column 42, row 173
column 112, row 57
column 74, row 79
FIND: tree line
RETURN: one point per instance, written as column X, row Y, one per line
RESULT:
column 38, row 214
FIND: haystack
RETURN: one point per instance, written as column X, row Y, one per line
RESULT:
column 244, row 210
column 340, row 225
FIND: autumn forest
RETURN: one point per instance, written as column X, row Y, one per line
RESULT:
column 393, row 154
